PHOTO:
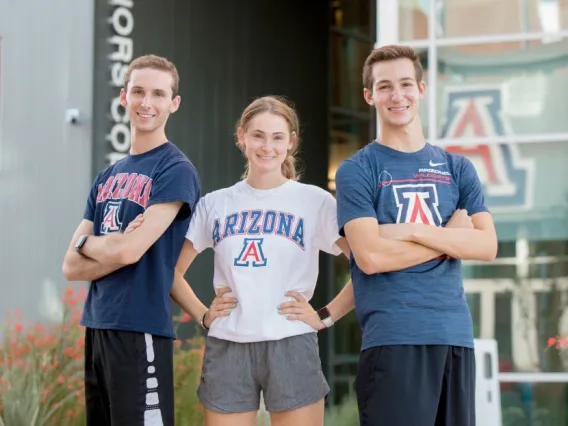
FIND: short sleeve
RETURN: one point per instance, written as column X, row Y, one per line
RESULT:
column 199, row 232
column 471, row 195
column 328, row 232
column 355, row 191
column 179, row 182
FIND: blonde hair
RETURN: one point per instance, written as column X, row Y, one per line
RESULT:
column 390, row 53
column 156, row 63
column 278, row 106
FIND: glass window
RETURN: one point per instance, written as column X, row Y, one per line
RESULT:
column 530, row 404
column 353, row 16
column 461, row 18
column 347, row 59
column 493, row 90
column 503, row 331
column 474, row 302
column 423, row 111
column 525, row 186
column 413, row 19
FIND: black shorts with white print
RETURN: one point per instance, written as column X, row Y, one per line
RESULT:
column 128, row 379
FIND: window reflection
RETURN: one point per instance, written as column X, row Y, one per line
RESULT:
column 461, row 18
column 531, row 404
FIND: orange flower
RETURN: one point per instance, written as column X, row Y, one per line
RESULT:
column 185, row 318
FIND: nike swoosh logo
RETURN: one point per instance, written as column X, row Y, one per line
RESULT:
column 436, row 164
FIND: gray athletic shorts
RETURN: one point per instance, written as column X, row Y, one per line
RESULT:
column 287, row 371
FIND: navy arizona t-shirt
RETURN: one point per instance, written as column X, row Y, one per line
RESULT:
column 424, row 304
column 137, row 297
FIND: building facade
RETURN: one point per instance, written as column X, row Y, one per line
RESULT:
column 496, row 88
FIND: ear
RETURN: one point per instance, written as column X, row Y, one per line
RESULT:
column 368, row 95
column 241, row 138
column 421, row 89
column 175, row 104
column 123, row 98
column 293, row 140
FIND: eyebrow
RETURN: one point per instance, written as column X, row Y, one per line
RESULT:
column 155, row 90
column 274, row 133
column 388, row 81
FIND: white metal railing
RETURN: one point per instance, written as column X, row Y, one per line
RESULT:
column 533, row 377
column 486, row 39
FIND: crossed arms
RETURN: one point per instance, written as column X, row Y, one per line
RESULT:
column 386, row 248
column 381, row 248
column 102, row 255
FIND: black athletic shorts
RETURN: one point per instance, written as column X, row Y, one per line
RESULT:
column 128, row 379
column 416, row 385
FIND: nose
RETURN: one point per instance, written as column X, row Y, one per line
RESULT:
column 146, row 102
column 396, row 95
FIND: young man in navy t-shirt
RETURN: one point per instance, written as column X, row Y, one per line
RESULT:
column 411, row 211
column 127, row 314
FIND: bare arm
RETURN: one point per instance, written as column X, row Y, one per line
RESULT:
column 341, row 305
column 479, row 243
column 184, row 296
column 375, row 254
column 344, row 302
column 128, row 248
column 181, row 292
column 77, row 267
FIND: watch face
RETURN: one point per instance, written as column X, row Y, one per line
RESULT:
column 81, row 241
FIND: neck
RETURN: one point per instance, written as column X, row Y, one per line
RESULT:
column 409, row 138
column 268, row 180
column 142, row 142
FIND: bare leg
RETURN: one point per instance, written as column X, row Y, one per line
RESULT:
column 213, row 418
column 310, row 415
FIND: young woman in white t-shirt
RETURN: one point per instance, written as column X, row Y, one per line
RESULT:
column 266, row 232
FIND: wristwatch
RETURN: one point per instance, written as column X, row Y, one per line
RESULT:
column 325, row 317
column 80, row 242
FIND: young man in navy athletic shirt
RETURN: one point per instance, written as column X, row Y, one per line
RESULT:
column 127, row 314
column 411, row 211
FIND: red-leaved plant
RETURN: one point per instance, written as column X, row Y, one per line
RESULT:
column 41, row 370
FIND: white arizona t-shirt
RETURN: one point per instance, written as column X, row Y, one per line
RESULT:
column 266, row 243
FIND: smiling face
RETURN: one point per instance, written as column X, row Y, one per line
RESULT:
column 395, row 93
column 149, row 99
column 266, row 140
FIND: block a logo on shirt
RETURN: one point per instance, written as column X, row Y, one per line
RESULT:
column 111, row 222
column 251, row 253
column 507, row 178
column 417, row 203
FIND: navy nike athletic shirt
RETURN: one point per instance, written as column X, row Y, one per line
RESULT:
column 424, row 304
column 137, row 297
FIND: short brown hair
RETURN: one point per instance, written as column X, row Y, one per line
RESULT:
column 157, row 63
column 279, row 106
column 390, row 53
